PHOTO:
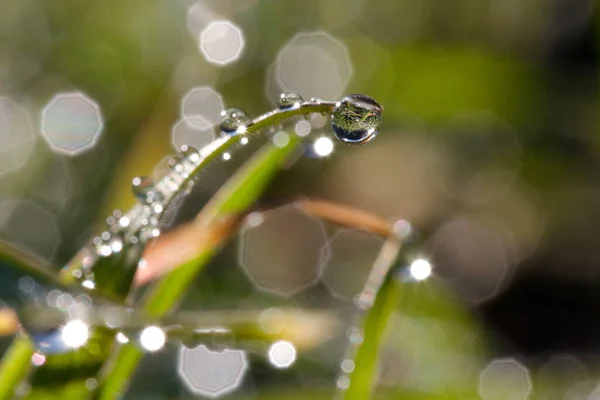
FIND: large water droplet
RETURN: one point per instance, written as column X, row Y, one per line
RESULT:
column 356, row 119
column 289, row 100
column 232, row 120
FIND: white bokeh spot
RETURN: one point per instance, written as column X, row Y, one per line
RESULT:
column 75, row 333
column 71, row 123
column 209, row 373
column 420, row 269
column 282, row 354
column 222, row 42
column 153, row 338
column 323, row 146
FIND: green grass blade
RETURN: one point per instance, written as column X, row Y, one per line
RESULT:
column 362, row 379
column 240, row 191
column 15, row 366
column 366, row 341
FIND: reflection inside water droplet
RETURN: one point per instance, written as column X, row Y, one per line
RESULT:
column 143, row 189
column 289, row 100
column 356, row 119
column 233, row 121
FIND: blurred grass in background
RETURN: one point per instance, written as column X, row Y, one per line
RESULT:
column 489, row 147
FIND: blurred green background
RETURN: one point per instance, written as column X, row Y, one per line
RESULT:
column 489, row 148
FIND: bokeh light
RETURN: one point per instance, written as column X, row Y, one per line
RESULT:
column 201, row 107
column 71, row 123
column 75, row 333
column 184, row 133
column 283, row 254
column 472, row 257
column 420, row 269
column 209, row 373
column 352, row 256
column 153, row 338
column 323, row 146
column 505, row 379
column 282, row 354
column 313, row 64
column 222, row 42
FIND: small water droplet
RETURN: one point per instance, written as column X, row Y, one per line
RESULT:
column 103, row 248
column 289, row 100
column 356, row 119
column 124, row 222
column 143, row 189
column 175, row 162
column 355, row 336
column 189, row 151
column 233, row 120
column 343, row 382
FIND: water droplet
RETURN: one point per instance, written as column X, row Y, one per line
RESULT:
column 289, row 100
column 356, row 119
column 103, row 248
column 233, row 120
column 143, row 188
column 189, row 151
column 175, row 162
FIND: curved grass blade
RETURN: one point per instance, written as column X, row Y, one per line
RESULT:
column 376, row 304
column 240, row 191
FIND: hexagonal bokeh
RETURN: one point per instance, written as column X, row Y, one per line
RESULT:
column 204, row 12
column 16, row 136
column 222, row 42
column 201, row 107
column 71, row 123
column 314, row 65
column 29, row 226
column 182, row 133
column 472, row 258
column 282, row 250
column 505, row 379
column 564, row 376
column 352, row 255
column 210, row 373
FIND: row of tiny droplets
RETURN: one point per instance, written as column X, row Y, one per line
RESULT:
column 403, row 232
column 141, row 223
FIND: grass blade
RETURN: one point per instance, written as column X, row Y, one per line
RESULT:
column 242, row 189
column 366, row 336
